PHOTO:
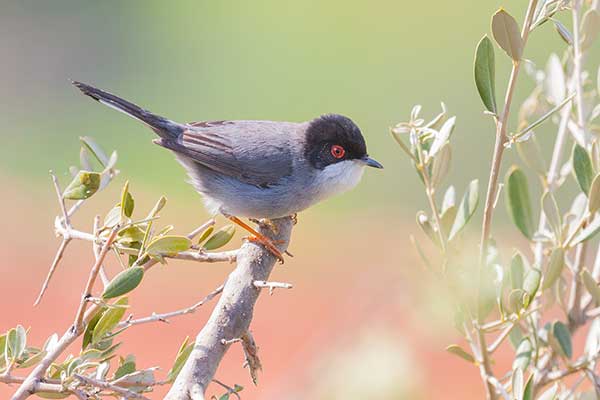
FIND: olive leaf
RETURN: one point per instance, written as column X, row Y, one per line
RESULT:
column 506, row 33
column 124, row 282
column 458, row 351
column 562, row 335
column 220, row 238
column 582, row 166
column 523, row 354
column 109, row 320
column 168, row 245
column 518, row 202
column 484, row 71
column 467, row 208
column 94, row 148
column 555, row 267
column 83, row 186
column 182, row 355
column 591, row 285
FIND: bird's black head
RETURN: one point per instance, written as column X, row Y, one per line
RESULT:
column 334, row 138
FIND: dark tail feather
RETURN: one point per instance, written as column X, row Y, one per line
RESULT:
column 163, row 127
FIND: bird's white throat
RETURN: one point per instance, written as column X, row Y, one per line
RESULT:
column 338, row 178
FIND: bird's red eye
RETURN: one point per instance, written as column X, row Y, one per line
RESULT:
column 337, row 151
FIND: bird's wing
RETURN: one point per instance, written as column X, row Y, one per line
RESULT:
column 255, row 152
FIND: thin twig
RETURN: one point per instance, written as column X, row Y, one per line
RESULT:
column 201, row 229
column 97, row 249
column 87, row 292
column 229, row 389
column 61, row 200
column 165, row 316
column 272, row 285
column 128, row 394
column 59, row 255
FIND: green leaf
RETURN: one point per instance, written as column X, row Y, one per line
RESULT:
column 220, row 238
column 588, row 232
column 113, row 217
column 528, row 391
column 531, row 283
column 582, row 166
column 89, row 330
column 590, row 27
column 518, row 203
column 552, row 213
column 458, row 351
column 523, row 355
column 182, row 355
column 517, row 383
column 95, row 149
column 426, row 227
column 16, row 340
column 591, row 285
column 563, row 336
column 126, row 366
column 127, row 202
column 467, row 208
column 124, row 282
column 158, row 207
column 206, row 234
column 594, row 195
column 517, row 299
column 506, row 33
column 441, row 165
column 168, row 245
column 83, row 186
column 517, row 271
column 563, row 32
column 441, row 138
column 555, row 267
column 485, row 73
column 109, row 320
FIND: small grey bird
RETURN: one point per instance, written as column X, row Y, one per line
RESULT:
column 258, row 169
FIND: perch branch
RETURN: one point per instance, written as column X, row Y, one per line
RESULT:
column 231, row 316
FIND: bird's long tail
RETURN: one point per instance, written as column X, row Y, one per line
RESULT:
column 165, row 128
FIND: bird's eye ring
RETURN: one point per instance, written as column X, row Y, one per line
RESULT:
column 337, row 151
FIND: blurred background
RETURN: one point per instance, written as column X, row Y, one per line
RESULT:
column 361, row 321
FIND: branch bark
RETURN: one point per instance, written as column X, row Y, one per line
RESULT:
column 231, row 316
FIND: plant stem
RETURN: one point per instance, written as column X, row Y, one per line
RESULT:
column 501, row 137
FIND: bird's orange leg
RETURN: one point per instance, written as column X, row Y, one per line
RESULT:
column 257, row 237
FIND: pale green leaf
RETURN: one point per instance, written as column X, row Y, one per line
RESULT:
column 220, row 238
column 83, row 186
column 109, row 320
column 506, row 33
column 485, row 73
column 467, row 208
column 582, row 166
column 518, row 202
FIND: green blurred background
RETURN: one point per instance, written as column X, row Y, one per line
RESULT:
column 269, row 59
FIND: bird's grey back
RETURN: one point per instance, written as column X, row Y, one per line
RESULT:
column 259, row 153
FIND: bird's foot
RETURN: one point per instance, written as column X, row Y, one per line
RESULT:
column 269, row 244
column 257, row 237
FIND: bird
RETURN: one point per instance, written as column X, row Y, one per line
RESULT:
column 258, row 169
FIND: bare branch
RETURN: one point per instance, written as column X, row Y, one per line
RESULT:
column 128, row 394
column 87, row 292
column 165, row 316
column 59, row 255
column 231, row 317
column 272, row 285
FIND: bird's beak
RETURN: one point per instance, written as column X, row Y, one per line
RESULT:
column 368, row 161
